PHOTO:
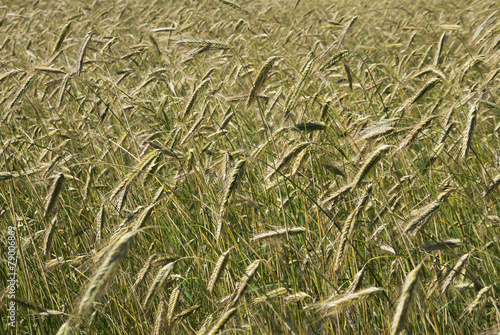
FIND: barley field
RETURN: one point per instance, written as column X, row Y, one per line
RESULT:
column 250, row 167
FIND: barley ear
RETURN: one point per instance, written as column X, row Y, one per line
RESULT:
column 219, row 267
column 104, row 273
column 52, row 195
column 404, row 300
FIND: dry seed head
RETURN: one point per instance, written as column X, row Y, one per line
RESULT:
column 404, row 301
column 481, row 295
column 282, row 232
column 144, row 270
column 242, row 284
column 219, row 267
column 52, row 195
column 415, row 131
column 288, row 156
column 172, row 304
column 296, row 297
column 48, row 237
column 22, row 90
column 348, row 231
column 427, row 86
column 297, row 89
column 232, row 182
column 469, row 129
column 81, row 55
column 270, row 295
column 62, row 36
column 160, row 319
column 421, row 218
column 261, row 78
column 356, row 281
column 204, row 327
column 334, row 60
column 62, row 89
column 369, row 164
column 193, row 97
column 104, row 273
column 453, row 273
column 442, row 245
column 222, row 320
column 146, row 213
column 160, row 278
column 336, row 304
column 494, row 183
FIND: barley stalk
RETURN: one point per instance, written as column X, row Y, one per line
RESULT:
column 491, row 186
column 22, row 90
column 172, row 304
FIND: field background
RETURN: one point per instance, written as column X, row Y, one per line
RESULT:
column 264, row 167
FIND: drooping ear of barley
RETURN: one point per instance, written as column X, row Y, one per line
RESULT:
column 288, row 156
column 172, row 304
column 66, row 329
column 442, row 245
column 144, row 270
column 336, row 304
column 160, row 319
column 348, row 231
column 437, row 56
column 146, row 213
column 261, row 78
column 297, row 89
column 453, row 273
column 491, row 186
column 62, row 36
column 136, row 171
column 415, row 131
column 193, row 97
column 83, row 50
column 334, row 60
column 193, row 129
column 481, row 295
column 204, row 327
column 22, row 90
column 222, row 320
column 48, row 237
column 281, row 232
column 62, row 89
column 160, row 278
column 219, row 267
column 52, row 195
column 356, row 281
column 104, row 273
column 405, row 299
column 270, row 295
column 468, row 131
column 232, row 182
column 369, row 164
column 242, row 284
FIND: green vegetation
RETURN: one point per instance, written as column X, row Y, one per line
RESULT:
column 266, row 167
